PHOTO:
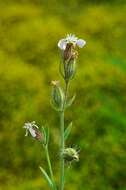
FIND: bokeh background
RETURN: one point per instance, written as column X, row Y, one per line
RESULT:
column 29, row 60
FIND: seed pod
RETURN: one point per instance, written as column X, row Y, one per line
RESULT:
column 70, row 154
column 57, row 95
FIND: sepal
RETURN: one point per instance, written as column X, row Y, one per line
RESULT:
column 70, row 69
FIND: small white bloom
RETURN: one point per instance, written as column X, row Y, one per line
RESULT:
column 30, row 128
column 71, row 39
column 80, row 43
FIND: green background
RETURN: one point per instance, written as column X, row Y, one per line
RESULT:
column 29, row 60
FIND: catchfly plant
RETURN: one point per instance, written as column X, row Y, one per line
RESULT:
column 60, row 101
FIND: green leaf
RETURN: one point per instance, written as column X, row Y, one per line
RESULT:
column 47, row 135
column 44, row 134
column 70, row 101
column 46, row 177
column 67, row 131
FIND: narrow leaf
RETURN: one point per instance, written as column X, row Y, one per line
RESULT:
column 46, row 177
column 67, row 131
column 44, row 134
column 47, row 135
column 70, row 101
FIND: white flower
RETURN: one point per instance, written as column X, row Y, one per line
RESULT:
column 30, row 127
column 71, row 39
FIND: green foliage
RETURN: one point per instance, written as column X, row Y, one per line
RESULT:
column 29, row 59
column 46, row 177
column 70, row 101
column 68, row 130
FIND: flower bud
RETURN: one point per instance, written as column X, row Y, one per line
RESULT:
column 70, row 154
column 33, row 129
column 57, row 95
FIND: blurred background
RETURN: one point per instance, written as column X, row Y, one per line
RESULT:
column 29, row 60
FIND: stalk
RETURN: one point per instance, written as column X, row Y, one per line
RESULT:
column 66, row 91
column 62, row 145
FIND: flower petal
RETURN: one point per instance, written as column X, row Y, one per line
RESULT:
column 80, row 43
column 26, row 134
column 62, row 44
column 32, row 131
column 71, row 38
column 34, row 125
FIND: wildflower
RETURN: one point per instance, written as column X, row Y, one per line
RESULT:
column 69, row 55
column 32, row 128
column 71, row 39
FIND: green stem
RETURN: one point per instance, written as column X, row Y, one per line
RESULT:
column 49, row 165
column 66, row 90
column 65, row 93
column 62, row 144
